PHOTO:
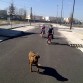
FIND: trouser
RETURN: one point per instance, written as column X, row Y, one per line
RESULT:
column 51, row 35
column 43, row 31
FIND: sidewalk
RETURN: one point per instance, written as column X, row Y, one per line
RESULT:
column 24, row 29
column 74, row 36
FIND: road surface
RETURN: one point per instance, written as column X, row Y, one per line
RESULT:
column 58, row 62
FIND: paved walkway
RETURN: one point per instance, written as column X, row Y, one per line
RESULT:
column 74, row 36
column 24, row 29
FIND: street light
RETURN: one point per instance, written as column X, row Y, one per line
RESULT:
column 72, row 15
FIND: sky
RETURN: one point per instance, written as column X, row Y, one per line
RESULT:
column 48, row 7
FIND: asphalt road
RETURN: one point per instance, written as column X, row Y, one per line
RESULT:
column 59, row 62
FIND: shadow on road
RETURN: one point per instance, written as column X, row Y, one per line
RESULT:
column 56, row 43
column 10, row 34
column 23, row 34
column 66, row 44
column 52, row 72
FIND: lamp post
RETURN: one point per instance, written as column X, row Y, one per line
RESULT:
column 72, row 15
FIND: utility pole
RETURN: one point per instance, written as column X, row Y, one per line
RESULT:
column 61, row 13
column 34, row 17
column 57, row 14
column 31, row 16
column 72, row 15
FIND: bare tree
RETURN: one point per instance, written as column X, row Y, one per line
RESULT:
column 22, row 13
column 11, row 12
column 12, row 9
column 25, row 13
